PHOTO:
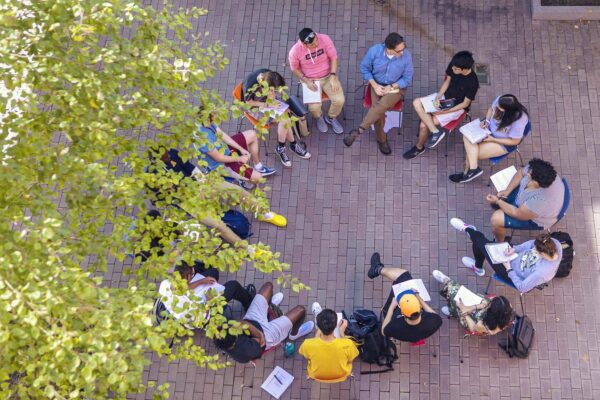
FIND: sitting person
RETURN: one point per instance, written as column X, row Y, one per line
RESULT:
column 489, row 317
column 407, row 317
column 532, row 200
column 536, row 263
column 388, row 68
column 460, row 86
column 253, row 96
column 506, row 119
column 181, row 306
column 262, row 333
column 329, row 357
column 218, row 149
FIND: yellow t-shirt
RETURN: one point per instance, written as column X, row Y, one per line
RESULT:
column 329, row 361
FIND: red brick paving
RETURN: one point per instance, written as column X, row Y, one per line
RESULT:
column 345, row 203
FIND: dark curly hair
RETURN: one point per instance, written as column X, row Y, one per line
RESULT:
column 499, row 313
column 542, row 172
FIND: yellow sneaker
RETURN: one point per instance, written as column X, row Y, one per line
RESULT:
column 276, row 219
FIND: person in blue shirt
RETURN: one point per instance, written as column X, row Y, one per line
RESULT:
column 388, row 68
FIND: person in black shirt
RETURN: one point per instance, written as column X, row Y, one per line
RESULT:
column 452, row 100
column 407, row 317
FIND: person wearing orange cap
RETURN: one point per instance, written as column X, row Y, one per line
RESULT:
column 407, row 317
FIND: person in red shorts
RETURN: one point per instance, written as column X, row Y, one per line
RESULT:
column 217, row 149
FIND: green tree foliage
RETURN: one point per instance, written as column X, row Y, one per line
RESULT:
column 88, row 87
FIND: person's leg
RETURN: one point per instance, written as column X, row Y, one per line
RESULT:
column 252, row 145
column 226, row 233
column 296, row 315
column 498, row 227
column 235, row 291
column 266, row 291
column 392, row 273
column 501, row 272
column 284, row 131
column 472, row 152
column 379, row 107
column 425, row 131
column 487, row 151
column 424, row 116
column 315, row 110
column 379, row 132
column 479, row 252
column 337, row 98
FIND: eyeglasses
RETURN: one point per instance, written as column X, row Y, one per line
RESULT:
column 310, row 38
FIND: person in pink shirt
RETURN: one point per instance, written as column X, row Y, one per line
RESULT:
column 314, row 59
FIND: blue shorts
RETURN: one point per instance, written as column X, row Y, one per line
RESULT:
column 510, row 222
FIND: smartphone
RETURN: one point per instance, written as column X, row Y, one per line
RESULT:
column 447, row 103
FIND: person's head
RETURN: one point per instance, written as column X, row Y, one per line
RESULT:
column 202, row 110
column 227, row 342
column 499, row 313
column 394, row 44
column 462, row 62
column 309, row 38
column 184, row 270
column 409, row 305
column 327, row 321
column 508, row 110
column 544, row 244
column 542, row 172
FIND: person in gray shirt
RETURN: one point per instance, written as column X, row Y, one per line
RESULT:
column 532, row 200
column 536, row 263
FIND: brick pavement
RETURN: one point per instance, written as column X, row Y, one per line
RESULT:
column 345, row 203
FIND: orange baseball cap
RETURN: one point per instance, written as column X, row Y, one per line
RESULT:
column 408, row 303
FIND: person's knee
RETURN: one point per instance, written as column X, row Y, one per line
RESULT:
column 315, row 110
column 416, row 103
column 266, row 287
column 250, row 136
column 497, row 219
column 255, row 177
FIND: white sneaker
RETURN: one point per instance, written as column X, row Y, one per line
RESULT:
column 460, row 225
column 277, row 299
column 304, row 330
column 316, row 309
column 439, row 276
column 446, row 311
column 470, row 263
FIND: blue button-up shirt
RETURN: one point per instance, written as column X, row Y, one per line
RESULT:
column 376, row 65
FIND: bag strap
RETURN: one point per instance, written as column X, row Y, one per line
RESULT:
column 380, row 371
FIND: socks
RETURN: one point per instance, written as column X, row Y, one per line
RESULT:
column 378, row 269
column 268, row 215
column 258, row 165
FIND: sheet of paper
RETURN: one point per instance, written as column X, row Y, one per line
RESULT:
column 277, row 382
column 496, row 252
column 474, row 132
column 428, row 103
column 277, row 109
column 310, row 96
column 501, row 179
column 392, row 120
column 201, row 290
column 415, row 284
column 468, row 298
column 336, row 331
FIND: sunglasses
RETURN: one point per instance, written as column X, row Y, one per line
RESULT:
column 310, row 38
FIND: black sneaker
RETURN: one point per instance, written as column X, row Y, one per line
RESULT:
column 299, row 151
column 436, row 138
column 412, row 153
column 285, row 160
column 376, row 266
column 456, row 177
column 471, row 174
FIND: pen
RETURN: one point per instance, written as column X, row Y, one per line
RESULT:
column 281, row 383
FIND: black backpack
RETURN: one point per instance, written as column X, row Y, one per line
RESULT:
column 568, row 253
column 238, row 223
column 378, row 349
column 519, row 338
column 360, row 323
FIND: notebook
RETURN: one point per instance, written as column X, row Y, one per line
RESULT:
column 336, row 331
column 416, row 284
column 201, row 290
column 277, row 382
column 277, row 109
column 468, row 298
column 427, row 103
column 309, row 96
column 473, row 131
column 496, row 252
column 501, row 179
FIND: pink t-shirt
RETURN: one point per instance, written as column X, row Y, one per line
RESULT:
column 314, row 62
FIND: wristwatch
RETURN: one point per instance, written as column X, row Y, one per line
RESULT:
column 508, row 270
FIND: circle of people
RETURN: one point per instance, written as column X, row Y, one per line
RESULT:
column 532, row 200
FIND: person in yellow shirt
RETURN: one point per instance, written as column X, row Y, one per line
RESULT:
column 329, row 356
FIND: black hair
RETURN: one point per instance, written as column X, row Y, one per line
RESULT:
column 499, row 313
column 463, row 60
column 542, row 172
column 226, row 343
column 414, row 316
column 544, row 244
column 327, row 321
column 184, row 269
column 304, row 34
column 153, row 214
column 513, row 110
column 274, row 79
column 392, row 40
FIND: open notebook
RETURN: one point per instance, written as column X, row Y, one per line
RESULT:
column 497, row 254
column 427, row 103
column 415, row 284
column 474, row 132
column 277, row 382
column 501, row 179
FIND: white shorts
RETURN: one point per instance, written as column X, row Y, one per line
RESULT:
column 445, row 119
column 275, row 331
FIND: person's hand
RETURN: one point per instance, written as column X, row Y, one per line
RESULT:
column 484, row 124
column 312, row 86
column 209, row 280
column 244, row 158
column 491, row 198
column 394, row 303
column 261, row 340
column 343, row 326
column 509, row 251
column 461, row 306
column 506, row 265
column 378, row 89
column 503, row 193
column 245, row 152
column 488, row 138
column 436, row 102
column 335, row 83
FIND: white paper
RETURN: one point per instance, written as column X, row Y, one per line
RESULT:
column 427, row 103
column 468, row 298
column 415, row 284
column 392, row 120
column 201, row 290
column 309, row 96
column 501, row 179
column 277, row 382
column 496, row 252
column 474, row 132
column 336, row 331
column 279, row 108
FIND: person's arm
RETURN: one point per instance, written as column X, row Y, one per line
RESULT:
column 204, row 281
column 521, row 213
column 230, row 142
column 366, row 66
column 465, row 104
column 334, row 80
column 342, row 328
column 502, row 141
column 527, row 284
column 256, row 103
column 255, row 333
column 406, row 78
column 523, row 246
column 443, row 88
column 388, row 316
column 424, row 305
column 513, row 184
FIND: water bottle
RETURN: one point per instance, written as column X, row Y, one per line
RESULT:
column 288, row 349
